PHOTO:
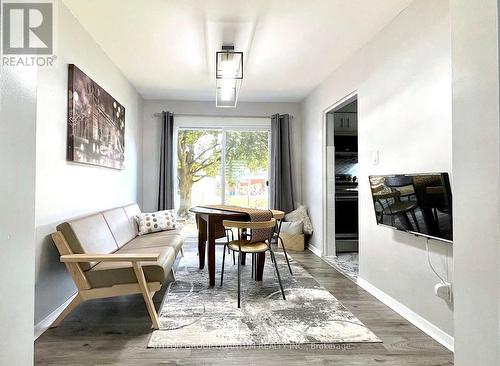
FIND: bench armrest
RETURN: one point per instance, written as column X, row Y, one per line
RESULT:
column 125, row 257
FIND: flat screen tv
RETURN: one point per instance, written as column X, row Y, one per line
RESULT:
column 415, row 203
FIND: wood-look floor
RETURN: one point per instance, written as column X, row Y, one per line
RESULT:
column 116, row 332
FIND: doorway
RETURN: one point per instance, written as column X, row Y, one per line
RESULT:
column 341, row 246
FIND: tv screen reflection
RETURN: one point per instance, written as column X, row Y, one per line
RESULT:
column 418, row 203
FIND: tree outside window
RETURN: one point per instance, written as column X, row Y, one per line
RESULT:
column 199, row 157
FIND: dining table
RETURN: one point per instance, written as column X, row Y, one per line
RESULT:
column 209, row 223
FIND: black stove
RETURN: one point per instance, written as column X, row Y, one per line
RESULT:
column 346, row 207
column 346, row 179
column 346, row 185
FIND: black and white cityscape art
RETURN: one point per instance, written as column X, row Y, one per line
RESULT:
column 96, row 123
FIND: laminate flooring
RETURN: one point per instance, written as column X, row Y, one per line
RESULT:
column 116, row 331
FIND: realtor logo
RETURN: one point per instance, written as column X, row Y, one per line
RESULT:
column 27, row 28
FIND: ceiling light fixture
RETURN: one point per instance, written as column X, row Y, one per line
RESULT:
column 228, row 76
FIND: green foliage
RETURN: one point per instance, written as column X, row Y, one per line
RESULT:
column 200, row 154
column 247, row 149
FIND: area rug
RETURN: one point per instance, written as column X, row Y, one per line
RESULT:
column 345, row 263
column 193, row 315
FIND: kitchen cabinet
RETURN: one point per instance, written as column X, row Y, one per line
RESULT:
column 345, row 123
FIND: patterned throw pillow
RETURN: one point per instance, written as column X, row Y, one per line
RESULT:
column 156, row 221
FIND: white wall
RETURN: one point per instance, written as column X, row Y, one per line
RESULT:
column 476, row 152
column 152, row 128
column 403, row 80
column 65, row 190
column 17, row 216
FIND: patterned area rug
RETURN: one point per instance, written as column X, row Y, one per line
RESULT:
column 193, row 315
column 345, row 263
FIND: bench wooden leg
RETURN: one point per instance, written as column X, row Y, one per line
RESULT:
column 73, row 304
column 141, row 280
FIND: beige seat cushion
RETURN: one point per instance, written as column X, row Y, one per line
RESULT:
column 247, row 247
column 121, row 227
column 173, row 241
column 107, row 274
column 161, row 234
column 89, row 234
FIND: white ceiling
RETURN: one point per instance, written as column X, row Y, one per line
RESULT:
column 166, row 48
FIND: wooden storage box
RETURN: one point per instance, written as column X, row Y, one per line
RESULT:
column 293, row 241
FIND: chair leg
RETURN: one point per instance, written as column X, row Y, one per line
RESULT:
column 223, row 260
column 232, row 239
column 234, row 258
column 239, row 275
column 141, row 280
column 414, row 217
column 255, row 267
column 182, row 251
column 253, row 264
column 286, row 255
column 278, row 274
column 229, row 233
column 73, row 304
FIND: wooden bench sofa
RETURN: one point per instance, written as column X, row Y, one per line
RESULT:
column 106, row 257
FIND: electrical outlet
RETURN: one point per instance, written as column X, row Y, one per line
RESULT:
column 443, row 290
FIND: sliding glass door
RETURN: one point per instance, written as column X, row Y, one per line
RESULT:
column 246, row 169
column 221, row 166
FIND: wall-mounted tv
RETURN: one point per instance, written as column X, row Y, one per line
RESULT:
column 416, row 203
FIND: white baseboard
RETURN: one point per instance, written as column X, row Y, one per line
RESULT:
column 45, row 323
column 315, row 250
column 421, row 323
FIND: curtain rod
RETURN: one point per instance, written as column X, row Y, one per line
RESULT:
column 213, row 115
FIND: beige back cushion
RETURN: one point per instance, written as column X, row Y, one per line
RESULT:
column 132, row 211
column 89, row 234
column 121, row 227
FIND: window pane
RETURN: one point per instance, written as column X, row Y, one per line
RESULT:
column 247, row 168
column 199, row 179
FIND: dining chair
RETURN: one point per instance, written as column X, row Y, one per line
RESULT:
column 394, row 206
column 229, row 232
column 279, row 216
column 244, row 245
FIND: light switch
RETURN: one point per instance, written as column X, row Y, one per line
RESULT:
column 375, row 157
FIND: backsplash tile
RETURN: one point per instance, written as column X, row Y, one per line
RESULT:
column 346, row 165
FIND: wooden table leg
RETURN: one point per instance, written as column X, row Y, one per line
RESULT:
column 211, row 250
column 202, row 235
column 261, row 260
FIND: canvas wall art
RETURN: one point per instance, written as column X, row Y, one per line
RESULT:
column 96, row 123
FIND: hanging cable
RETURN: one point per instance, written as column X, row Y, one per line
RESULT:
column 430, row 263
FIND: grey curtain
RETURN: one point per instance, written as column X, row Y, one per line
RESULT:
column 166, row 181
column 281, row 186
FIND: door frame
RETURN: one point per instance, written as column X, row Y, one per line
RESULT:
column 329, row 249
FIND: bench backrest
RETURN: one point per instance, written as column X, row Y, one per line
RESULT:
column 102, row 232
column 122, row 229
